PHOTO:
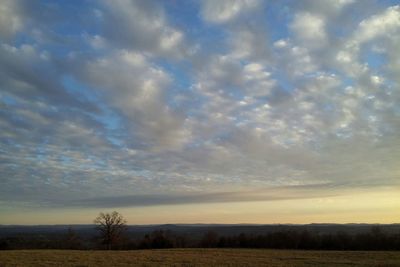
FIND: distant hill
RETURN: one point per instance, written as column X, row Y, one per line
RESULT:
column 197, row 230
column 283, row 236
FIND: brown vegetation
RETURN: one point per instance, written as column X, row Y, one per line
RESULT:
column 198, row 257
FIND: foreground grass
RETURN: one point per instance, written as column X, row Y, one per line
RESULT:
column 198, row 257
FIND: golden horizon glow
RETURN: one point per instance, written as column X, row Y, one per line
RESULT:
column 367, row 206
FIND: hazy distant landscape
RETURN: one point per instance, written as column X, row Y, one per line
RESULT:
column 312, row 236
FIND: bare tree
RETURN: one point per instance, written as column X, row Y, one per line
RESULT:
column 111, row 227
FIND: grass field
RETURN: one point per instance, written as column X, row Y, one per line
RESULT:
column 198, row 257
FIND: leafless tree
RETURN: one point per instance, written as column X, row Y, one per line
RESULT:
column 111, row 227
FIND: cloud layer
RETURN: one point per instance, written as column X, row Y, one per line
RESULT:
column 107, row 103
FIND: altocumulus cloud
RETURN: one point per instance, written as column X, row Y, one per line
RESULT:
column 137, row 103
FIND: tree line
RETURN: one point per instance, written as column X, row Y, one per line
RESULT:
column 113, row 234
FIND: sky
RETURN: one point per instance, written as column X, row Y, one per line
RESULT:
column 228, row 111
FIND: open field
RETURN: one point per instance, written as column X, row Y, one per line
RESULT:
column 198, row 257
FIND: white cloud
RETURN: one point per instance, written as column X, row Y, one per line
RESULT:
column 227, row 10
column 29, row 72
column 138, row 89
column 295, row 60
column 11, row 19
column 384, row 24
column 280, row 43
column 327, row 8
column 250, row 106
column 250, row 42
column 309, row 29
column 142, row 25
column 258, row 80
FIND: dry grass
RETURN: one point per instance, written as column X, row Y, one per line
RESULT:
column 198, row 257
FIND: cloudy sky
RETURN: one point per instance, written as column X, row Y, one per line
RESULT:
column 228, row 111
